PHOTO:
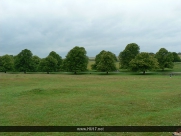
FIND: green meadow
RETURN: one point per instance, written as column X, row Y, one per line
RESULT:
column 89, row 100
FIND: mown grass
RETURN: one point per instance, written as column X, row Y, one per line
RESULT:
column 89, row 100
column 177, row 67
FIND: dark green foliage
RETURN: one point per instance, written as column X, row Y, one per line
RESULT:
column 143, row 62
column 42, row 65
column 113, row 56
column 1, row 65
column 48, row 64
column 6, row 63
column 165, row 59
column 76, row 60
column 128, row 54
column 58, row 58
column 23, row 61
column 35, row 63
column 152, row 54
column 64, row 66
column 106, row 63
column 98, row 58
column 176, row 57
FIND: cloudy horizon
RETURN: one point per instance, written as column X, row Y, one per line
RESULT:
column 43, row 26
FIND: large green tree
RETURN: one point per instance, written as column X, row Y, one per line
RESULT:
column 23, row 61
column 165, row 59
column 106, row 63
column 98, row 58
column 48, row 64
column 58, row 58
column 35, row 63
column 6, row 63
column 143, row 62
column 76, row 60
column 129, row 53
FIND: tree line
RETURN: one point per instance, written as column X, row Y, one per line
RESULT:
column 76, row 61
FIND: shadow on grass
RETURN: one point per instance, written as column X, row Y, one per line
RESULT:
column 158, row 72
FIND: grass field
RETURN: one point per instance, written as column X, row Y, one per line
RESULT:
column 89, row 100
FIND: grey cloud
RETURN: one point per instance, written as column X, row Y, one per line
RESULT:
column 43, row 26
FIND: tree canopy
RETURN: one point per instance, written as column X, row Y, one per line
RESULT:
column 23, row 61
column 143, row 62
column 35, row 63
column 76, row 60
column 165, row 59
column 129, row 53
column 48, row 64
column 106, row 63
column 98, row 58
column 58, row 58
column 6, row 63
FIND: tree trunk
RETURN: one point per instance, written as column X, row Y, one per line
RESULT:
column 143, row 72
column 24, row 72
column 75, row 72
column 107, row 73
column 4, row 71
column 47, row 72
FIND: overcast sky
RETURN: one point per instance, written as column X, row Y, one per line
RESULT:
column 43, row 26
